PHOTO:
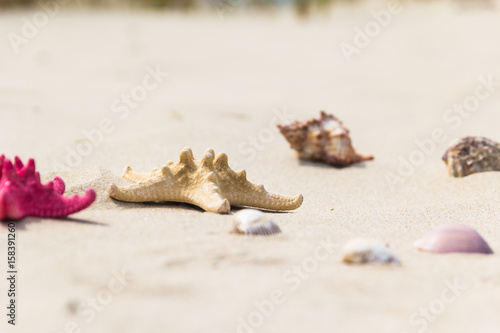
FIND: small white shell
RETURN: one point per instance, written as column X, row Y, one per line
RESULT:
column 368, row 251
column 254, row 222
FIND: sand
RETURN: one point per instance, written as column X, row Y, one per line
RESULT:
column 119, row 267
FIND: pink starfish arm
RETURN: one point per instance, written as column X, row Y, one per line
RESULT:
column 27, row 171
column 18, row 164
column 44, row 202
column 59, row 186
column 8, row 172
column 22, row 194
column 54, row 205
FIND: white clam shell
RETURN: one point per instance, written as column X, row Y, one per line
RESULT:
column 368, row 251
column 254, row 222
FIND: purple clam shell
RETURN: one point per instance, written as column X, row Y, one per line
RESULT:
column 453, row 238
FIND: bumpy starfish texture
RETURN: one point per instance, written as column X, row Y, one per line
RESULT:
column 209, row 184
column 22, row 194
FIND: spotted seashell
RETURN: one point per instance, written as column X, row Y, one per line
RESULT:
column 254, row 222
column 368, row 251
column 472, row 155
column 453, row 238
column 325, row 140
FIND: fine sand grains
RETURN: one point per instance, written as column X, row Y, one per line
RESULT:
column 99, row 179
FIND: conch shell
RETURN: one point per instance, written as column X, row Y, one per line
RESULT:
column 471, row 155
column 324, row 140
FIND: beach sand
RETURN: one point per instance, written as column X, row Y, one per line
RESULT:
column 119, row 267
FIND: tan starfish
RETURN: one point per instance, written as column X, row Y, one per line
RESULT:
column 209, row 184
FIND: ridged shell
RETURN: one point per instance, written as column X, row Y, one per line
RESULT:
column 453, row 238
column 254, row 222
column 472, row 155
column 368, row 251
column 324, row 140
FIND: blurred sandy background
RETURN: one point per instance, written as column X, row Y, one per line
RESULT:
column 225, row 74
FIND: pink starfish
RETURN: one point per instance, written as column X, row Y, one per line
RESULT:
column 22, row 193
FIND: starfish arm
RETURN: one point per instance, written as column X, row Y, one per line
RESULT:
column 18, row 164
column 186, row 158
column 29, row 168
column 241, row 192
column 50, row 205
column 260, row 198
column 9, row 174
column 59, row 186
column 138, row 177
column 139, row 192
column 63, row 206
column 210, row 201
column 8, row 208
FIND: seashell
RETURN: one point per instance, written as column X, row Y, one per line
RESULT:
column 368, row 251
column 471, row 155
column 209, row 184
column 453, row 238
column 325, row 140
column 22, row 194
column 254, row 222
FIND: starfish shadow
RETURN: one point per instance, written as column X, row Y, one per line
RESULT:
column 83, row 221
column 157, row 204
column 307, row 163
column 235, row 209
column 22, row 224
column 185, row 206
